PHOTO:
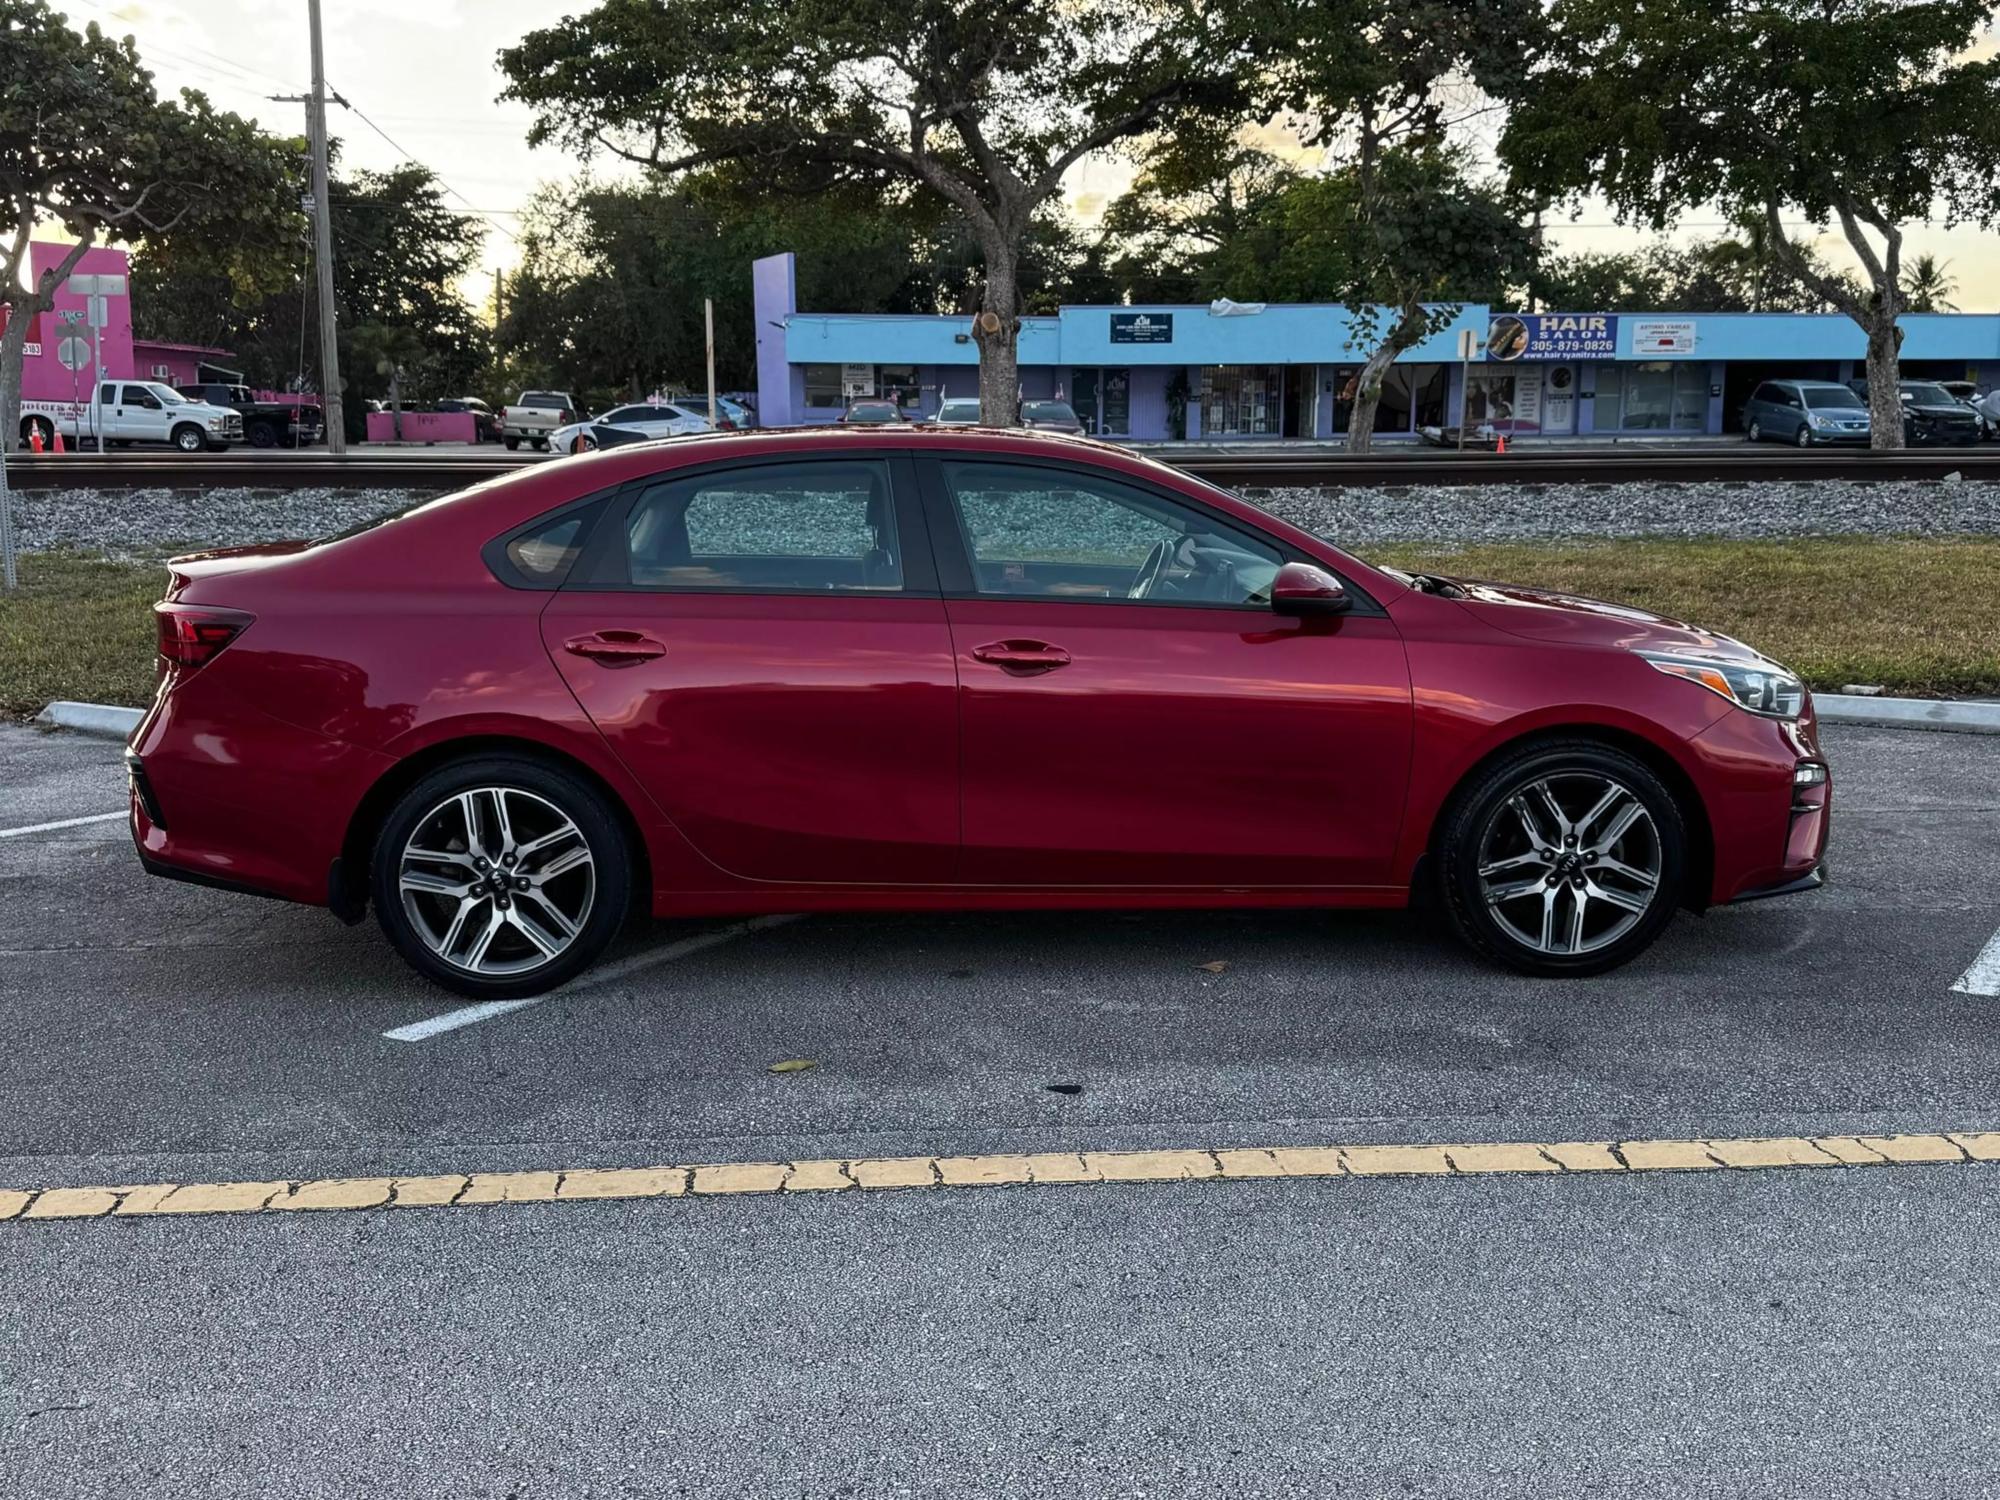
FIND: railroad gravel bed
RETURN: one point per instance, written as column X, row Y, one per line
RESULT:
column 151, row 522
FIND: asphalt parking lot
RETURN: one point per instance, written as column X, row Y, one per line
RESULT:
column 1794, row 1332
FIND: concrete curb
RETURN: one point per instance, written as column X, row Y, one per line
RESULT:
column 92, row 718
column 1909, row 713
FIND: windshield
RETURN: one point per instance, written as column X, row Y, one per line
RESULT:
column 168, row 395
column 1926, row 394
column 1833, row 398
column 1047, row 411
column 959, row 411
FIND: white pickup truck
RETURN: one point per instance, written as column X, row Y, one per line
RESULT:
column 535, row 416
column 136, row 411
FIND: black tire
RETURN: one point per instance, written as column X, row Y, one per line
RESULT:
column 1475, row 814
column 263, row 435
column 189, row 438
column 1756, row 432
column 513, row 443
column 42, row 425
column 1805, row 437
column 601, row 831
column 541, row 445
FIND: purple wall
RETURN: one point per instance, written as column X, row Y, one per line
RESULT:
column 775, row 297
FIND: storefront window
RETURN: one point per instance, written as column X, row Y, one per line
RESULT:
column 823, row 386
column 897, row 383
column 1411, row 391
column 1659, row 396
column 1241, row 400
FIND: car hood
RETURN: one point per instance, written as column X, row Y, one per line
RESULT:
column 1542, row 615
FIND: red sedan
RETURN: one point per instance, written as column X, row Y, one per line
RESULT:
column 917, row 668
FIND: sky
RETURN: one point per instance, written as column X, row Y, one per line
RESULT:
column 425, row 73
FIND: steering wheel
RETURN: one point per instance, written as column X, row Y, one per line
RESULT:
column 1150, row 570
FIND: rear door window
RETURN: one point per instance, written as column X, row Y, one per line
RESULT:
column 827, row 526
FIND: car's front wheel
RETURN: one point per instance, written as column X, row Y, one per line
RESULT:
column 1756, row 432
column 1565, row 858
column 1804, row 438
column 189, row 438
column 500, row 876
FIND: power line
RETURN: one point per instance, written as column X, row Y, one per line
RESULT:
column 409, row 155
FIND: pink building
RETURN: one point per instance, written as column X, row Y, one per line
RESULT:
column 43, row 377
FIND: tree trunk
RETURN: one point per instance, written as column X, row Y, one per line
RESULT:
column 996, row 328
column 13, row 358
column 1885, row 401
column 1408, row 330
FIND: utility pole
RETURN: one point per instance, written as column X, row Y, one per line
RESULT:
column 329, row 344
column 708, row 318
column 499, row 300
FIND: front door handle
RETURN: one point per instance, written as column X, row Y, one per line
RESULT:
column 615, row 646
column 1022, row 657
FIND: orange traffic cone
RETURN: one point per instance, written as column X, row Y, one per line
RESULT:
column 35, row 437
column 1502, row 446
column 59, row 442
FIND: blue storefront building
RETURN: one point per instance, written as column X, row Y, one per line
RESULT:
column 1234, row 372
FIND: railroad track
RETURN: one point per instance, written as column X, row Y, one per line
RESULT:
column 434, row 471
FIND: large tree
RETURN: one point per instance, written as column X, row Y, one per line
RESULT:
column 89, row 149
column 987, row 106
column 1869, row 114
column 1391, row 89
column 402, row 256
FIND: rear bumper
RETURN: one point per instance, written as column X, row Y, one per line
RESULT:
column 222, row 795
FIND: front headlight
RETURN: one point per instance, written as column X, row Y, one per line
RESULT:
column 1762, row 687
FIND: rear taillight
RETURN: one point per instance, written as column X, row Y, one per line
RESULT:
column 723, row 424
column 193, row 635
column 565, row 417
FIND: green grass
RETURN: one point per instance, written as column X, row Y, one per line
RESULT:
column 78, row 627
column 1917, row 615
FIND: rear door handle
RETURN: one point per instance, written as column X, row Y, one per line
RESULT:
column 615, row 646
column 1024, row 657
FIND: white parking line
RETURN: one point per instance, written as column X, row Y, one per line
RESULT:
column 1983, row 978
column 15, row 833
column 486, row 1010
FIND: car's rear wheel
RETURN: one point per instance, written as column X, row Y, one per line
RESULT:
column 1756, row 432
column 513, row 443
column 1563, row 859
column 500, row 876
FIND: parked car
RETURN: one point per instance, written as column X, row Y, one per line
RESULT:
column 488, row 427
column 1051, row 416
column 1930, row 415
column 871, row 412
column 1806, row 412
column 651, row 419
column 535, row 416
column 266, row 424
column 136, row 411
column 904, row 668
column 959, row 411
column 1966, row 394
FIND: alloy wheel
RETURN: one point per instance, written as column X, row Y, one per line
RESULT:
column 1570, row 863
column 497, row 881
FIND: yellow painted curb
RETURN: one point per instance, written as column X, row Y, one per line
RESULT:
column 1034, row 1169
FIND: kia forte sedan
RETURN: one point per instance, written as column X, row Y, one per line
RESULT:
column 922, row 669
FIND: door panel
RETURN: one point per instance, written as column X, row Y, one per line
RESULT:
column 1133, row 712
column 776, row 671
column 1181, row 747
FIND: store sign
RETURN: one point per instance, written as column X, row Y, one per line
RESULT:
column 1142, row 328
column 1552, row 336
column 1653, row 337
column 857, row 380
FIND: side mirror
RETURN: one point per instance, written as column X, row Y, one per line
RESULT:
column 1302, row 590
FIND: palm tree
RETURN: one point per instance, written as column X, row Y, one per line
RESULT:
column 1927, row 285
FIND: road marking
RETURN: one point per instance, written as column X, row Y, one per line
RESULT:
column 15, row 833
column 486, row 1010
column 1983, row 978
column 1035, row 1170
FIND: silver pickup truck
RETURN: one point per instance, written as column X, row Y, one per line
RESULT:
column 535, row 416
